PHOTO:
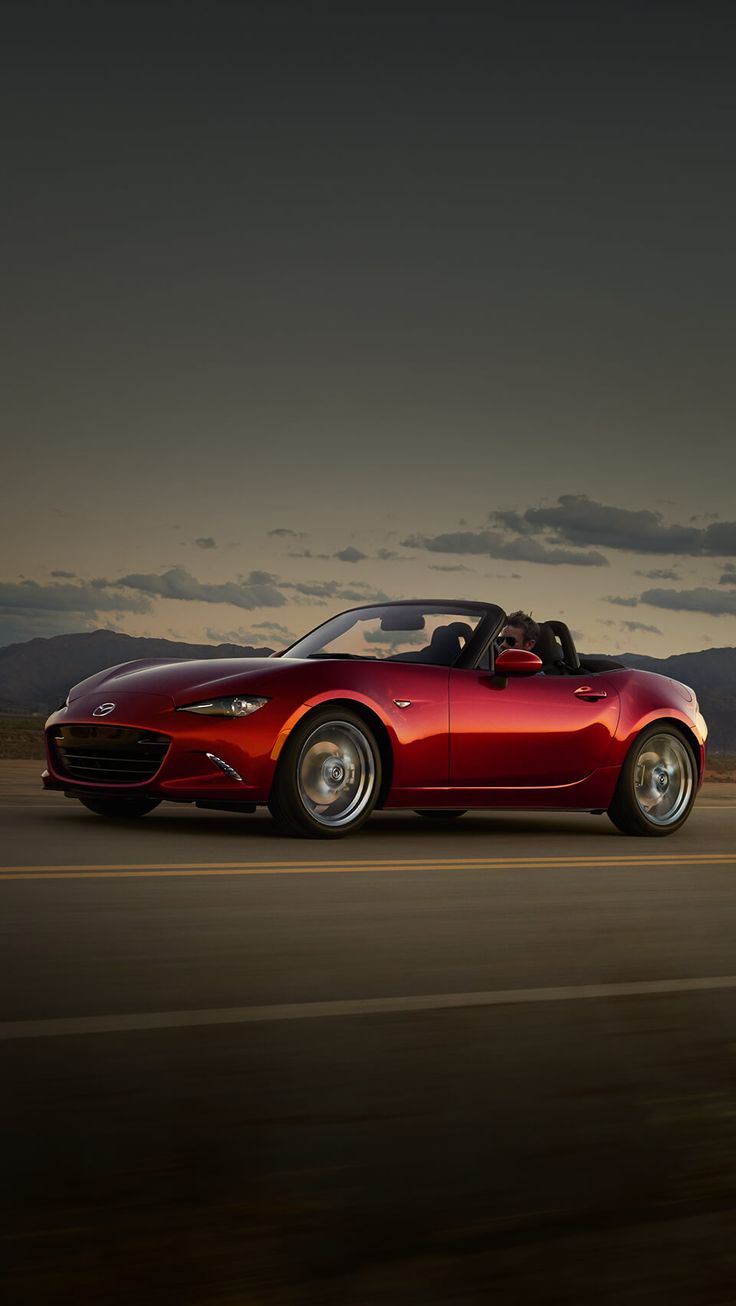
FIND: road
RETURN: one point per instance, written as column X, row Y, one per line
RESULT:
column 489, row 1061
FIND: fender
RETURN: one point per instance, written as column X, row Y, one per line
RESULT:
column 331, row 696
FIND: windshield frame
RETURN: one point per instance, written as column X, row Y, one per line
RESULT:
column 490, row 618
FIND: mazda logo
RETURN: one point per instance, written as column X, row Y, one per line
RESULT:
column 104, row 709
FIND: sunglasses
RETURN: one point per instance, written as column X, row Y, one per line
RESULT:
column 507, row 639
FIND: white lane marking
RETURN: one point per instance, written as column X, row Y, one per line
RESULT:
column 147, row 1020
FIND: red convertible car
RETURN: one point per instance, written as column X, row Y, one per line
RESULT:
column 397, row 705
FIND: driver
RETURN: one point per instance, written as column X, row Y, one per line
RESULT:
column 520, row 631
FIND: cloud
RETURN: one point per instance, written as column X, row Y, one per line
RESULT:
column 85, row 596
column 720, row 538
column 285, row 533
column 659, row 573
column 257, row 590
column 579, row 520
column 386, row 554
column 449, row 566
column 316, row 589
column 630, row 602
column 639, row 625
column 350, row 554
column 260, row 634
column 205, row 542
column 395, row 638
column 493, row 545
column 64, row 575
column 277, row 635
column 29, row 609
column 728, row 576
column 718, row 603
column 322, row 590
column 274, row 628
column 512, row 521
column 358, row 594
column 306, row 553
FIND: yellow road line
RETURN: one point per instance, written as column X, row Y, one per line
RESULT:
column 151, row 1020
column 361, row 863
column 118, row 870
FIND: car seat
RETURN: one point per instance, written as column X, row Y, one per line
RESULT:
column 547, row 648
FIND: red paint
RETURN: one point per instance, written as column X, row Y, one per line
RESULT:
column 518, row 662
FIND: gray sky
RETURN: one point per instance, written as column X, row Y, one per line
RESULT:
column 304, row 303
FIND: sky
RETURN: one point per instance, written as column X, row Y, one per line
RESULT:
column 310, row 305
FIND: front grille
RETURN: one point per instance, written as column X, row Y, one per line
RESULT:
column 113, row 755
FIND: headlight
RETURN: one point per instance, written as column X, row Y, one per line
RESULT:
column 238, row 706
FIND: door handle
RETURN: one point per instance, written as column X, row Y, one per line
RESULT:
column 589, row 694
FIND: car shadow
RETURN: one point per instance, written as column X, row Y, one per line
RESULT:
column 381, row 828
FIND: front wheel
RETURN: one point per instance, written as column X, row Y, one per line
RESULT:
column 125, row 808
column 657, row 785
column 329, row 776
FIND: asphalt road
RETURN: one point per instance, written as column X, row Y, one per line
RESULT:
column 489, row 1061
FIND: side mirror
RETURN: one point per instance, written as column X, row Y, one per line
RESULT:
column 517, row 662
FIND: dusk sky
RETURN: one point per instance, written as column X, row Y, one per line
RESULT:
column 309, row 303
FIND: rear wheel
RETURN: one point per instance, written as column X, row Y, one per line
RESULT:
column 657, row 785
column 329, row 776
column 125, row 808
column 441, row 813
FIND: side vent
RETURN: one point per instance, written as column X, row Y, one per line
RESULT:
column 227, row 770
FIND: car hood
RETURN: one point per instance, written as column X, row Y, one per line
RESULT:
column 186, row 682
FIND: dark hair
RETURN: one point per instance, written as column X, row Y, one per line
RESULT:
column 525, row 623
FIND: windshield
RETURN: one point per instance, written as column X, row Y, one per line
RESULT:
column 394, row 633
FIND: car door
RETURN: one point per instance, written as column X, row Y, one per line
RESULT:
column 531, row 731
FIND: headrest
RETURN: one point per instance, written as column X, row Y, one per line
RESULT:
column 444, row 646
column 546, row 645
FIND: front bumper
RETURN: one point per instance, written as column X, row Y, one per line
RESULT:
column 206, row 757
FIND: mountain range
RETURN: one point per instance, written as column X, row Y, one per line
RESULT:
column 36, row 676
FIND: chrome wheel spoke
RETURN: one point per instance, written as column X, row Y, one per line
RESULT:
column 335, row 773
column 663, row 779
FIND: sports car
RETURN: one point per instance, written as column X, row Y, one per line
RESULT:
column 410, row 704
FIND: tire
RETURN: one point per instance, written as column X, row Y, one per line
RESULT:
column 657, row 785
column 440, row 813
column 329, row 776
column 120, row 808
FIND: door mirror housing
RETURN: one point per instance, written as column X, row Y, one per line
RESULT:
column 517, row 662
